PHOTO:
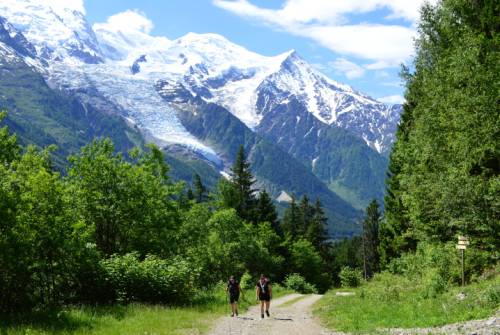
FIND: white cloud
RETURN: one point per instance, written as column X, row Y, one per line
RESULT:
column 127, row 21
column 326, row 22
column 349, row 69
column 392, row 99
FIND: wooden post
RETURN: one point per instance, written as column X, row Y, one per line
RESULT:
column 463, row 242
column 463, row 268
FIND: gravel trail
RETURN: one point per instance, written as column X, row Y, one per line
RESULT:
column 291, row 319
column 296, row 318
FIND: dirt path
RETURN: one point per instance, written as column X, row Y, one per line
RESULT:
column 295, row 318
column 292, row 319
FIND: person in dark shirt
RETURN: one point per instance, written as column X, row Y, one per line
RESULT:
column 264, row 293
column 233, row 289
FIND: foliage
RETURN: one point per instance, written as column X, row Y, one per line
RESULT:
column 432, row 262
column 152, row 280
column 265, row 211
column 445, row 165
column 306, row 261
column 394, row 301
column 247, row 282
column 297, row 283
column 370, row 239
column 200, row 191
column 350, row 277
column 40, row 239
column 128, row 206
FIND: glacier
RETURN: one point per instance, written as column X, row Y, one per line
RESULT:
column 124, row 64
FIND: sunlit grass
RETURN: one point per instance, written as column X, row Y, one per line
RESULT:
column 395, row 302
column 129, row 319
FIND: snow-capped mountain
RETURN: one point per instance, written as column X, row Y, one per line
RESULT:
column 124, row 63
column 58, row 32
column 281, row 98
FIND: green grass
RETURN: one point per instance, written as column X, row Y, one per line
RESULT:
column 129, row 319
column 391, row 301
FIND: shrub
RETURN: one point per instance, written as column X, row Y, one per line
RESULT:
column 493, row 296
column 350, row 277
column 297, row 283
column 152, row 280
column 434, row 283
column 247, row 281
column 439, row 261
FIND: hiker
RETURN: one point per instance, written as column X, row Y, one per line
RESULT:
column 233, row 289
column 264, row 294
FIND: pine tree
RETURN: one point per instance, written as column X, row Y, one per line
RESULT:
column 292, row 220
column 200, row 191
column 306, row 215
column 190, row 194
column 371, row 239
column 242, row 182
column 317, row 231
column 266, row 212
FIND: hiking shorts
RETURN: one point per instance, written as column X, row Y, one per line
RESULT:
column 264, row 297
column 234, row 298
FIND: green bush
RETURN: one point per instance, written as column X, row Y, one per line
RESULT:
column 152, row 280
column 434, row 283
column 350, row 277
column 297, row 283
column 247, row 282
column 440, row 259
column 493, row 296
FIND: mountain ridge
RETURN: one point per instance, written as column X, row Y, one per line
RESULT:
column 119, row 70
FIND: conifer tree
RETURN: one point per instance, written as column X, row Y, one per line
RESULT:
column 200, row 191
column 190, row 194
column 306, row 215
column 266, row 212
column 292, row 220
column 317, row 230
column 370, row 238
column 242, row 183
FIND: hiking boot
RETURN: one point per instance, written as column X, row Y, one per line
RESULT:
column 262, row 316
column 267, row 313
column 236, row 313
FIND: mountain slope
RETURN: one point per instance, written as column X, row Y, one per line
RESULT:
column 41, row 115
column 216, row 126
column 338, row 137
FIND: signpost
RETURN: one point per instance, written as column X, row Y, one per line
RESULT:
column 463, row 242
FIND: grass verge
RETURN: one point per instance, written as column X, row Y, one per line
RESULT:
column 391, row 301
column 131, row 319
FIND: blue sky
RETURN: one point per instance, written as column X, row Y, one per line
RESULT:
column 358, row 42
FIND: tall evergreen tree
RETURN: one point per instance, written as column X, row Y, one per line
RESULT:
column 266, row 212
column 317, row 230
column 306, row 214
column 292, row 220
column 200, row 191
column 371, row 238
column 242, row 182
